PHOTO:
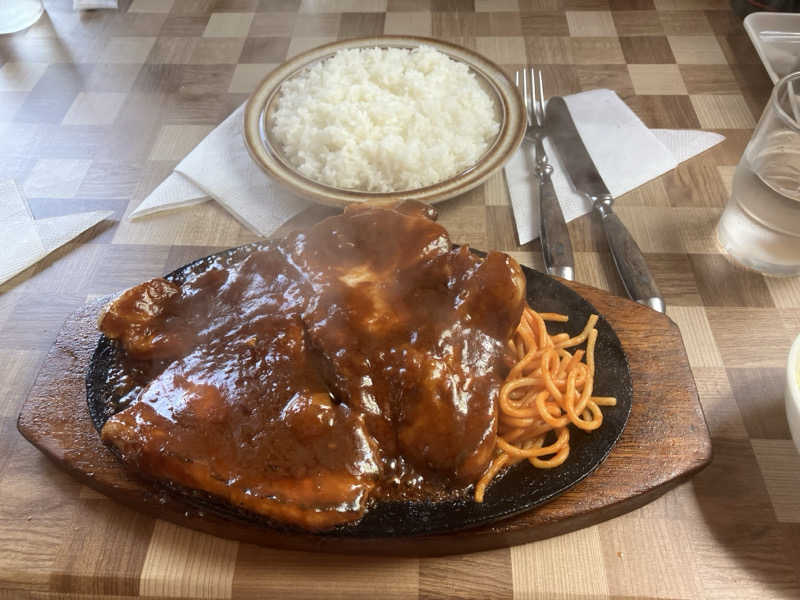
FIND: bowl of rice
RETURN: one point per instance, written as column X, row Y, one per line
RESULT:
column 389, row 118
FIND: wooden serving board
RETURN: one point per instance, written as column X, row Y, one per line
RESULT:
column 665, row 442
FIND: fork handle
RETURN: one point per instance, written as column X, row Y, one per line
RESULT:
column 553, row 234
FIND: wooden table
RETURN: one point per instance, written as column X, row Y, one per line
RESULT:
column 97, row 108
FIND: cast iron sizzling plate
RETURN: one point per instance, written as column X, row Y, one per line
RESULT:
column 515, row 490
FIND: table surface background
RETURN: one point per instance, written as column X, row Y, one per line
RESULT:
column 97, row 108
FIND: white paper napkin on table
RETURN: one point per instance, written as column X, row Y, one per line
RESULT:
column 627, row 154
column 221, row 168
column 25, row 240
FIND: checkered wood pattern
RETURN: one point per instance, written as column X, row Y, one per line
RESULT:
column 96, row 109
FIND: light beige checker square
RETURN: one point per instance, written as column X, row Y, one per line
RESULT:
column 508, row 50
column 56, row 178
column 151, row 6
column 546, row 568
column 301, row 44
column 217, row 51
column 696, row 50
column 785, row 291
column 228, row 25
column 186, row 563
column 496, row 190
column 656, row 79
column 719, row 404
column 94, row 108
column 736, row 329
column 779, row 464
column 701, row 347
column 132, row 49
column 281, row 24
column 726, row 175
column 596, row 51
column 176, row 141
column 722, row 111
column 247, row 76
column 20, row 77
column 342, row 6
column 591, row 23
column 648, row 558
column 407, row 23
column 496, row 5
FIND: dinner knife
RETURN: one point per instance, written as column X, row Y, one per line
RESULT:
column 632, row 268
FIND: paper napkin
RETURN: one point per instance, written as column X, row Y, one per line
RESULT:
column 627, row 154
column 221, row 168
column 25, row 240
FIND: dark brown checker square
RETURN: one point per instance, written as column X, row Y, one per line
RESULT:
column 234, row 6
column 199, row 79
column 191, row 26
column 723, row 283
column 616, row 5
column 648, row 50
column 560, row 80
column 738, row 49
column 614, row 77
column 724, row 22
column 484, row 575
column 264, row 50
column 544, row 23
column 730, row 150
column 278, row 5
column 159, row 78
column 584, row 5
column 638, row 22
column 499, row 24
column 408, row 5
column 673, row 274
column 192, row 7
column 695, row 183
column 353, row 25
column 709, row 79
column 665, row 112
column 452, row 6
column 732, row 475
column 147, row 24
column 452, row 25
column 759, row 395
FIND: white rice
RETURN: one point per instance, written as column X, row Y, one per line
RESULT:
column 384, row 120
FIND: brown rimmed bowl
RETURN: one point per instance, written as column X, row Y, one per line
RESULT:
column 510, row 113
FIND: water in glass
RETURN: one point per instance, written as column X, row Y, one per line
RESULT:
column 760, row 226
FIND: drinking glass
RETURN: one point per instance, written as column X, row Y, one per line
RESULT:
column 760, row 226
column 16, row 15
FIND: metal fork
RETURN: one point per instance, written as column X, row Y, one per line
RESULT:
column 553, row 234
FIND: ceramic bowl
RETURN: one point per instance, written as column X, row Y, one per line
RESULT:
column 793, row 391
column 510, row 112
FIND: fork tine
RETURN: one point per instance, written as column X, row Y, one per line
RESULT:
column 540, row 104
column 526, row 97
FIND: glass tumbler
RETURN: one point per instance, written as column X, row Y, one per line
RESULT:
column 16, row 15
column 760, row 226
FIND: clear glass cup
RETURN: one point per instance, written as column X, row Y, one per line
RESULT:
column 16, row 15
column 760, row 226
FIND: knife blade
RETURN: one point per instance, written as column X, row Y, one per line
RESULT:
column 631, row 265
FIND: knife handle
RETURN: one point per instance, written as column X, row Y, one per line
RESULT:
column 553, row 234
column 632, row 268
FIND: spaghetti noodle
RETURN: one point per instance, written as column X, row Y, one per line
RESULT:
column 547, row 389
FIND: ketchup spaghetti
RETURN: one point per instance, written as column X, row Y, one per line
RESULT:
column 547, row 389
